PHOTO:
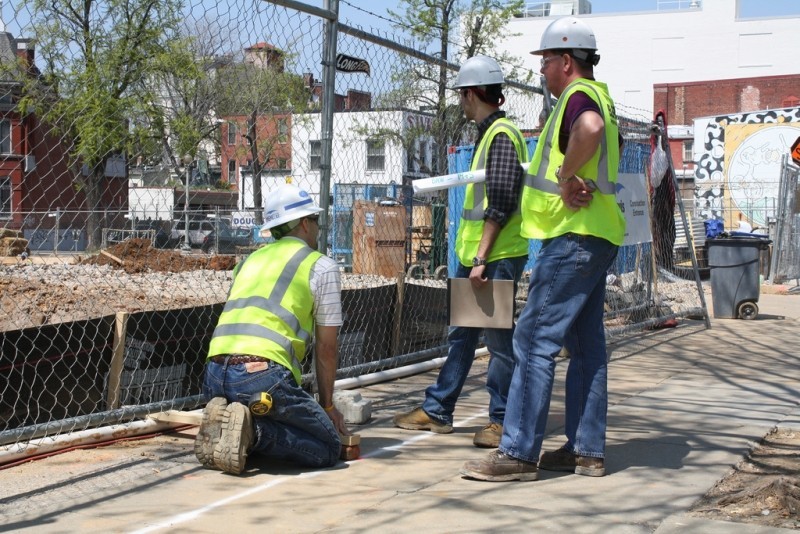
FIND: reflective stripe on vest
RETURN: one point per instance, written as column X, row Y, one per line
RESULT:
column 250, row 318
column 538, row 180
column 271, row 305
column 544, row 213
column 475, row 213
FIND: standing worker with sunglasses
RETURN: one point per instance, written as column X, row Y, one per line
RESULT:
column 488, row 246
column 569, row 202
column 283, row 295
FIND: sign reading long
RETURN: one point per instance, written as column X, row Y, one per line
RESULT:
column 351, row 64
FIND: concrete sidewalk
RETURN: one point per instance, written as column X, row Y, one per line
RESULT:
column 686, row 405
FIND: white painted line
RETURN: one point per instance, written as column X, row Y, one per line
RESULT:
column 188, row 516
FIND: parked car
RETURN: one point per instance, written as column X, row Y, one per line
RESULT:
column 198, row 230
column 228, row 240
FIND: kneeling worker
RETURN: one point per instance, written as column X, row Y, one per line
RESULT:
column 282, row 295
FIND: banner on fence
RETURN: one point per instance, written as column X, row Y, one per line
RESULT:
column 632, row 200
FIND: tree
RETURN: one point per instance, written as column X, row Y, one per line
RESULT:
column 265, row 98
column 97, row 58
column 476, row 24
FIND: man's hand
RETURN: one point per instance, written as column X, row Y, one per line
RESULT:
column 338, row 421
column 576, row 193
column 477, row 276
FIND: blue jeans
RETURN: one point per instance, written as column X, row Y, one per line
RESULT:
column 441, row 397
column 296, row 429
column 565, row 308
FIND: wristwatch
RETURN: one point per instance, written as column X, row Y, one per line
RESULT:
column 476, row 261
column 559, row 178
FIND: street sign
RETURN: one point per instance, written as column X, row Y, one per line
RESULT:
column 796, row 152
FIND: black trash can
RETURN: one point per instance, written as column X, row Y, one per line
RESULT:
column 735, row 280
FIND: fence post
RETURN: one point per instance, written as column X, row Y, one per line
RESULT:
column 328, row 106
column 398, row 314
column 117, row 359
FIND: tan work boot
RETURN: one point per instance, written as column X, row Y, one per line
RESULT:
column 417, row 419
column 237, row 438
column 210, row 431
column 489, row 436
column 564, row 460
column 499, row 467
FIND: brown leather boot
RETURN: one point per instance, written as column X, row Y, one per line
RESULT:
column 564, row 460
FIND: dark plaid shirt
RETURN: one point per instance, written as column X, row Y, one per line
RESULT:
column 503, row 173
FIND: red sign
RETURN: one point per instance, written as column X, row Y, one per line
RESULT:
column 796, row 152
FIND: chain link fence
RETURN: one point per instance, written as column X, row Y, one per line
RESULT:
column 129, row 200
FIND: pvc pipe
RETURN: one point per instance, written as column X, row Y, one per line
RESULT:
column 30, row 449
column 452, row 180
column 399, row 372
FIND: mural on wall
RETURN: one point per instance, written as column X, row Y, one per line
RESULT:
column 737, row 176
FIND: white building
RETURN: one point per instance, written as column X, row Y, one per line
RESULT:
column 369, row 147
column 701, row 40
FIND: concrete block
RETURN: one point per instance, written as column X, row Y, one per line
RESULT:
column 355, row 409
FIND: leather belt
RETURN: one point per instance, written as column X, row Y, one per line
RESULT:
column 233, row 359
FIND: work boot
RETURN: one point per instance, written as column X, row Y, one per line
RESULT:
column 564, row 460
column 489, row 436
column 230, row 453
column 500, row 467
column 209, row 432
column 417, row 419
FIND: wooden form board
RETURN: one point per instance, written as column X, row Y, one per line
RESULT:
column 379, row 238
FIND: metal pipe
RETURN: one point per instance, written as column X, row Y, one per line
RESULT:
column 328, row 106
column 391, row 45
column 660, row 128
column 186, row 245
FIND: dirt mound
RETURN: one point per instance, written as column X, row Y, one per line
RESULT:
column 139, row 256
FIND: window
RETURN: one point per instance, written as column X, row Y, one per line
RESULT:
column 790, row 102
column 410, row 167
column 283, row 163
column 688, row 151
column 232, row 171
column 424, row 156
column 315, row 152
column 283, row 130
column 376, row 155
column 5, row 137
column 434, row 158
column 5, row 197
column 231, row 133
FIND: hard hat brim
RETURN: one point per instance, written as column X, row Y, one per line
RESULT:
column 299, row 214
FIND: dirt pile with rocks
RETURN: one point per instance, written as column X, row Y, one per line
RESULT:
column 139, row 256
column 131, row 276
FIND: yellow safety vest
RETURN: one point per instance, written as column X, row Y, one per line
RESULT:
column 269, row 311
column 509, row 243
column 544, row 214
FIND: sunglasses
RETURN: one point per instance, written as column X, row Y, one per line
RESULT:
column 314, row 218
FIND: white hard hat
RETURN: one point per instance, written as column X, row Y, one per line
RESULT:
column 567, row 32
column 288, row 203
column 479, row 70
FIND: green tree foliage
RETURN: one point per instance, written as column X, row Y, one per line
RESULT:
column 97, row 59
column 259, row 96
column 453, row 30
